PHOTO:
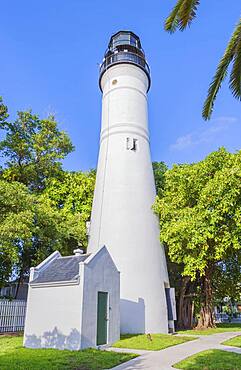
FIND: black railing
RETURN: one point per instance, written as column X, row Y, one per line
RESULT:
column 124, row 57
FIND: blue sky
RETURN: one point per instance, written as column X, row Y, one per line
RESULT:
column 50, row 52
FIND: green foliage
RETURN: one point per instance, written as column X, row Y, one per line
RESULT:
column 227, row 279
column 153, row 342
column 72, row 196
column 34, row 225
column 3, row 111
column 16, row 218
column 182, row 16
column 200, row 222
column 13, row 356
column 42, row 208
column 32, row 149
column 28, row 225
column 159, row 169
column 200, row 211
column 73, row 192
column 213, row 359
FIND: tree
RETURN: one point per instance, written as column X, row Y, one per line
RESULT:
column 200, row 220
column 72, row 196
column 182, row 16
column 42, row 207
column 227, row 279
column 159, row 169
column 16, row 217
column 3, row 111
column 184, row 287
column 32, row 148
column 33, row 225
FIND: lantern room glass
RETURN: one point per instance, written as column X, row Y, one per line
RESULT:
column 124, row 47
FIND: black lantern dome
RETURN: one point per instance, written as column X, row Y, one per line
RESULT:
column 125, row 47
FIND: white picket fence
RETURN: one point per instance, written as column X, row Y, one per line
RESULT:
column 12, row 315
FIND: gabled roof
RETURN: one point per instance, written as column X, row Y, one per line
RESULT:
column 60, row 269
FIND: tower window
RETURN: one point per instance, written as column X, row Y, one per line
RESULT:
column 131, row 144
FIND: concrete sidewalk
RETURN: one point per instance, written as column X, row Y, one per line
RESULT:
column 164, row 359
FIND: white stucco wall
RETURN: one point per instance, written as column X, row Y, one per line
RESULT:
column 122, row 216
column 100, row 275
column 53, row 317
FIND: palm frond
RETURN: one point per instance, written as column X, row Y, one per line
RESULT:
column 187, row 13
column 172, row 20
column 181, row 15
column 235, row 75
column 220, row 74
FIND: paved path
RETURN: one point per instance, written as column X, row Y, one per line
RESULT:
column 164, row 359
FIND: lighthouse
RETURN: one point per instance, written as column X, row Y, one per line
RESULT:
column 122, row 218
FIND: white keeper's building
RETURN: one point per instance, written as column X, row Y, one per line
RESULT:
column 73, row 302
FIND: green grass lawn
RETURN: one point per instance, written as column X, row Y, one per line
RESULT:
column 221, row 328
column 214, row 359
column 141, row 341
column 236, row 341
column 14, row 357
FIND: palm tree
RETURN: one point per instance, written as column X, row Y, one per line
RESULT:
column 182, row 16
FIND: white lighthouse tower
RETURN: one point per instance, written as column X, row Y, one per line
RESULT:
column 122, row 217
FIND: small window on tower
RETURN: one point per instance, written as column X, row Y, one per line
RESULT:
column 131, row 144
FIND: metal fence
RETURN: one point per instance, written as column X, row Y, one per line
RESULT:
column 223, row 317
column 12, row 315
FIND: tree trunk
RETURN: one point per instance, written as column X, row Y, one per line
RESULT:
column 185, row 305
column 206, row 319
column 18, row 285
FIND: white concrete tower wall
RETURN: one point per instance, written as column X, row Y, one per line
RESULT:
column 122, row 217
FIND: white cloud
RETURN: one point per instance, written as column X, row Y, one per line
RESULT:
column 206, row 134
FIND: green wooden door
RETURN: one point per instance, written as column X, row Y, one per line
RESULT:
column 102, row 318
